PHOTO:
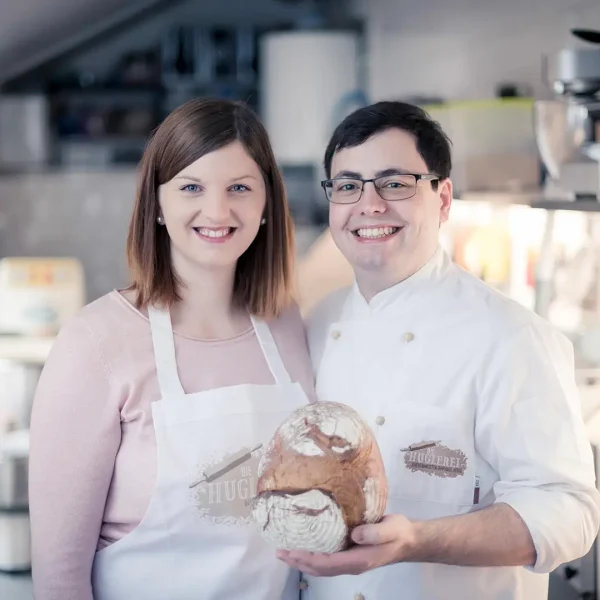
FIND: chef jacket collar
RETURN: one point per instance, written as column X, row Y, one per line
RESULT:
column 427, row 277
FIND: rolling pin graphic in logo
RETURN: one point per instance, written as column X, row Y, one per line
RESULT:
column 224, row 490
column 239, row 458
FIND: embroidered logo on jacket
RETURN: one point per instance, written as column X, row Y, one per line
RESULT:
column 435, row 459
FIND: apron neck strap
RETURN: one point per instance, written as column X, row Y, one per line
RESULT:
column 270, row 351
column 164, row 353
column 166, row 363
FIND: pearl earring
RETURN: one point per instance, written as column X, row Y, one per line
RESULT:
column 263, row 221
column 160, row 220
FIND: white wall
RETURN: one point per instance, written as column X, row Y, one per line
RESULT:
column 462, row 49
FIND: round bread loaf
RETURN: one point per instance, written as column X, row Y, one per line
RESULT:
column 321, row 476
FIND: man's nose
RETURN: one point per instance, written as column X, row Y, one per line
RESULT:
column 371, row 202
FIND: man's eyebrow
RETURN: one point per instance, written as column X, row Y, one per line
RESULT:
column 348, row 174
column 390, row 171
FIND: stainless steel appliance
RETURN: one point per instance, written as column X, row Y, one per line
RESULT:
column 15, row 544
column 568, row 127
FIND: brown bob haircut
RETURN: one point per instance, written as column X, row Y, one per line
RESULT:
column 263, row 278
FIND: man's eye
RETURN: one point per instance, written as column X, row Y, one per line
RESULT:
column 397, row 183
column 347, row 187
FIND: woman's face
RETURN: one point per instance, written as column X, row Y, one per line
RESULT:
column 213, row 208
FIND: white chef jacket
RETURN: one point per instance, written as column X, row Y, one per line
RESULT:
column 442, row 357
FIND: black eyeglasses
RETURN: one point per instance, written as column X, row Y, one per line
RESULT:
column 348, row 190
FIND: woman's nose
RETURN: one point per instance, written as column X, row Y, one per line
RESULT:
column 215, row 206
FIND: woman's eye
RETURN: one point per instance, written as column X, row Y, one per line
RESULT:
column 238, row 187
column 191, row 187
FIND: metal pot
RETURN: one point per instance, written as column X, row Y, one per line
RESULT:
column 14, row 470
column 15, row 528
column 18, row 381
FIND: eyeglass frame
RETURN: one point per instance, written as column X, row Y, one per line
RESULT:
column 418, row 177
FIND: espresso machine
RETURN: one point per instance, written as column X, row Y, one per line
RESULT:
column 568, row 126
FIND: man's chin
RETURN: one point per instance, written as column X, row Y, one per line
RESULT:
column 375, row 263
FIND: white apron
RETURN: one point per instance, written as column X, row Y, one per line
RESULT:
column 196, row 540
column 379, row 393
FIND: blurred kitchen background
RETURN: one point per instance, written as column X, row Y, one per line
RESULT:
column 83, row 83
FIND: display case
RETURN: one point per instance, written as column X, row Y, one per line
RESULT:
column 546, row 258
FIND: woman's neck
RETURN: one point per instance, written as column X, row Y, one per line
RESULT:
column 206, row 309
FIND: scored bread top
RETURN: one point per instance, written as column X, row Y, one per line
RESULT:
column 329, row 447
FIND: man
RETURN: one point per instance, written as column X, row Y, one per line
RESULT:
column 471, row 397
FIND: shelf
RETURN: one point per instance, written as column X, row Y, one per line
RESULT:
column 109, row 139
column 497, row 197
column 534, row 199
column 25, row 349
column 111, row 89
column 574, row 205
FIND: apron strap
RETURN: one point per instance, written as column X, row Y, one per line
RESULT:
column 164, row 353
column 271, row 352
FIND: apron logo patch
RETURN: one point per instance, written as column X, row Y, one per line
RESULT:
column 224, row 490
column 435, row 459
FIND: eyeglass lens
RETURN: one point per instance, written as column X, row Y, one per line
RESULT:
column 394, row 187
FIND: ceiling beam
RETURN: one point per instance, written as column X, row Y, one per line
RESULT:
column 82, row 40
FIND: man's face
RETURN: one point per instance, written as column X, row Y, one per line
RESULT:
column 410, row 227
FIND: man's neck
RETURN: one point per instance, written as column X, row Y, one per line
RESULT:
column 371, row 283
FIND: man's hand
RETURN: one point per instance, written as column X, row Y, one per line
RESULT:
column 462, row 540
column 377, row 545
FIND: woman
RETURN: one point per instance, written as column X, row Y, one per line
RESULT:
column 156, row 402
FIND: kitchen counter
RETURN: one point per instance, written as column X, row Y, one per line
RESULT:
column 25, row 349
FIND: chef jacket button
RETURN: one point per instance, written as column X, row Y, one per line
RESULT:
column 335, row 334
column 303, row 584
column 379, row 420
column 359, row 597
column 409, row 337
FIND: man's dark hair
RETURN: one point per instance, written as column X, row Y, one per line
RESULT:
column 432, row 143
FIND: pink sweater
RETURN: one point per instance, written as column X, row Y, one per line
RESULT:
column 93, row 453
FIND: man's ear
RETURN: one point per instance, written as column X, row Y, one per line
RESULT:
column 445, row 190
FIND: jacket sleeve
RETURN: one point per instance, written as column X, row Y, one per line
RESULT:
column 530, row 429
